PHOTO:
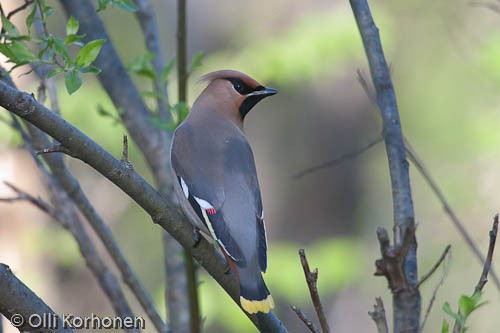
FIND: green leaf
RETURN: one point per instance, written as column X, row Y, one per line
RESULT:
column 466, row 305
column 9, row 27
column 73, row 81
column 166, row 71
column 196, row 62
column 72, row 26
column 90, row 69
column 476, row 297
column 21, row 51
column 456, row 316
column 182, row 111
column 102, row 4
column 163, row 125
column 88, row 53
column 127, row 5
column 30, row 18
column 62, row 49
column 55, row 71
column 74, row 39
column 142, row 66
column 446, row 327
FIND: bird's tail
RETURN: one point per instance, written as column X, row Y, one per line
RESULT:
column 254, row 296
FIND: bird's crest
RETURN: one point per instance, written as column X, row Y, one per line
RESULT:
column 227, row 74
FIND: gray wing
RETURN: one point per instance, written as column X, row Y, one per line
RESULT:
column 220, row 181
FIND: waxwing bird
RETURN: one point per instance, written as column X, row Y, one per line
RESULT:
column 217, row 179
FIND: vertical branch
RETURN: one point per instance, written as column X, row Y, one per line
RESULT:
column 147, row 20
column 191, row 273
column 312, row 279
column 181, row 50
column 406, row 301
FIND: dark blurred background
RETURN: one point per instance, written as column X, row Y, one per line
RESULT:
column 445, row 62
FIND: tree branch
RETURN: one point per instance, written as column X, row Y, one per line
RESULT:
column 406, row 302
column 68, row 219
column 434, row 293
column 147, row 20
column 457, row 328
column 419, row 164
column 17, row 299
column 433, row 269
column 311, row 279
column 161, row 210
column 378, row 316
column 340, row 158
column 302, row 316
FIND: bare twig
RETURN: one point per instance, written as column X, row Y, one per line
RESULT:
column 17, row 299
column 457, row 328
column 489, row 257
column 23, row 196
column 125, row 149
column 378, row 316
column 311, row 279
column 340, row 158
column 302, row 316
column 56, row 149
column 406, row 302
column 433, row 269
column 434, row 293
column 417, row 161
column 181, row 50
column 20, row 8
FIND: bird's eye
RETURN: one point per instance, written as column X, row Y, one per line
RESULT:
column 239, row 87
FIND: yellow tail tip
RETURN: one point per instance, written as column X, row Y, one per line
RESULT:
column 255, row 306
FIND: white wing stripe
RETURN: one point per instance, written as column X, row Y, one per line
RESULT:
column 203, row 203
column 184, row 188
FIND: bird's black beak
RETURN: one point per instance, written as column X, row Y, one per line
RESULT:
column 254, row 97
column 264, row 92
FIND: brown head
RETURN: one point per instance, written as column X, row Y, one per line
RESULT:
column 231, row 92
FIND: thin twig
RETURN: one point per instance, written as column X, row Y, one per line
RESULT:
column 311, row 279
column 434, row 293
column 42, row 17
column 125, row 149
column 417, row 161
column 457, row 328
column 489, row 257
column 20, row 8
column 147, row 20
column 340, row 158
column 302, row 316
column 56, row 149
column 433, row 269
column 191, row 274
column 23, row 196
column 378, row 316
